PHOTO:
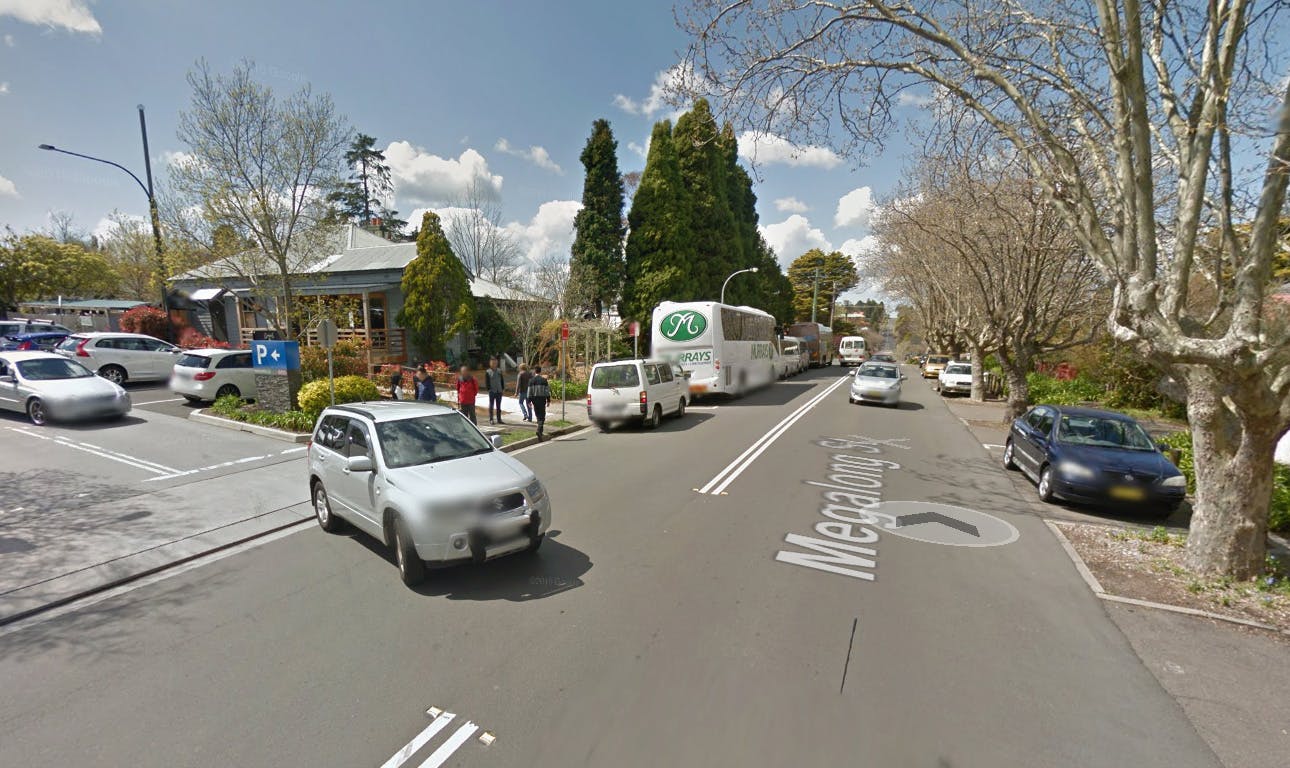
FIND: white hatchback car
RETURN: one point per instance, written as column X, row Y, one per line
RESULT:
column 635, row 390
column 121, row 357
column 209, row 374
column 425, row 481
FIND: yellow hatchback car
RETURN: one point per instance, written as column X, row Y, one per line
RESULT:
column 934, row 365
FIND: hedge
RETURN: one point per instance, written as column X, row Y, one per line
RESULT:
column 316, row 395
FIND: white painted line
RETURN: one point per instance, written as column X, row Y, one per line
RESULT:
column 17, row 509
column 992, row 445
column 293, row 450
column 144, row 467
column 28, row 434
column 735, row 468
column 421, row 739
column 454, row 742
column 221, row 465
column 534, row 447
column 162, row 467
column 702, row 407
column 158, row 402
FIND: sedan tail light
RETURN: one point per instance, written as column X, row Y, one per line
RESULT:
column 204, row 376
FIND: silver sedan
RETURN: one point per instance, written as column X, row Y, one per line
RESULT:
column 46, row 386
column 877, row 383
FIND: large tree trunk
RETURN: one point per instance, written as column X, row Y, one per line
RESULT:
column 1233, row 458
column 978, row 372
column 1014, row 373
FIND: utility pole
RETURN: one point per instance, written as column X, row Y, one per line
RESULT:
column 815, row 294
column 833, row 303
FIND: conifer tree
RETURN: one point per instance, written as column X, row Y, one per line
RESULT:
column 596, row 263
column 437, row 304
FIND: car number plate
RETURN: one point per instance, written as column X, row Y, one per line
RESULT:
column 874, row 393
column 1127, row 493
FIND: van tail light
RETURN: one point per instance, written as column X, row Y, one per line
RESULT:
column 80, row 348
column 588, row 401
column 644, row 402
column 204, row 376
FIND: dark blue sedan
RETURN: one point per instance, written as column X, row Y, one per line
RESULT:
column 1095, row 457
column 40, row 341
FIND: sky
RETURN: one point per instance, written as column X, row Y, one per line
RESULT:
column 503, row 91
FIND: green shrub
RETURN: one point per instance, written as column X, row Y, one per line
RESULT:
column 1279, row 520
column 316, row 395
column 1046, row 389
column 232, row 407
column 576, row 390
column 349, row 358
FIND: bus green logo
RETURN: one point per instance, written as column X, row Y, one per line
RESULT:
column 683, row 325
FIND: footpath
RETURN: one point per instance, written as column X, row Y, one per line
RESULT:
column 1231, row 680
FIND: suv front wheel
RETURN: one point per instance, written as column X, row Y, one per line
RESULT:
column 412, row 569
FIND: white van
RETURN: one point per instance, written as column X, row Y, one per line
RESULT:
column 635, row 390
column 853, row 350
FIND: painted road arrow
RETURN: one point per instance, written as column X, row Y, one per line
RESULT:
column 918, row 518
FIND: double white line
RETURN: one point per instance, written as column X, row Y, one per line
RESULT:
column 717, row 485
column 445, row 750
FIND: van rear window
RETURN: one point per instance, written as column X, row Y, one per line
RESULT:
column 615, row 376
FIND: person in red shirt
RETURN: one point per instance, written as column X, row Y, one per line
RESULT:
column 467, row 389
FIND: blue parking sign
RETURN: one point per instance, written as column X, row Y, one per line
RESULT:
column 276, row 355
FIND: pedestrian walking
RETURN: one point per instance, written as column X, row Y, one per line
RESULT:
column 425, row 386
column 396, row 385
column 539, row 396
column 495, row 382
column 467, row 391
column 522, row 391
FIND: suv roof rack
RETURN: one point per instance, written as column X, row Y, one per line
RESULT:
column 352, row 409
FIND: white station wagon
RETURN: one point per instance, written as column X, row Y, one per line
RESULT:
column 209, row 374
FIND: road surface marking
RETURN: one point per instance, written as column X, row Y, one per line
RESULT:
column 725, row 477
column 136, row 465
column 162, row 467
column 702, row 407
column 29, row 434
column 158, row 402
column 992, row 445
column 548, row 442
column 419, row 741
column 454, row 742
column 221, row 465
column 293, row 450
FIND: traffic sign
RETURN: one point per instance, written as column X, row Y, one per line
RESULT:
column 276, row 355
column 564, row 330
column 634, row 328
column 327, row 333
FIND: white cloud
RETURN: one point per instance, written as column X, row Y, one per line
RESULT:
column 72, row 15
column 793, row 237
column 643, row 151
column 790, row 205
column 535, row 154
column 769, row 149
column 106, row 226
column 176, row 157
column 855, row 208
column 8, row 41
column 549, row 231
column 8, row 188
column 914, row 99
column 422, row 178
column 4, row 88
column 679, row 77
column 859, row 248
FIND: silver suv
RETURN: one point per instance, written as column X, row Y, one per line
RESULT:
column 425, row 481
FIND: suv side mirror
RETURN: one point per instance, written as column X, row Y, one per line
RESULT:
column 7, row 378
column 359, row 464
column 496, row 440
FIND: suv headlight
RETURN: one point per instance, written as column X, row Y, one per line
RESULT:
column 535, row 490
column 1075, row 471
column 1177, row 481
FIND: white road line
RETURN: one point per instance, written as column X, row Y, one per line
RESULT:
column 158, row 402
column 454, row 742
column 293, row 450
column 136, row 465
column 29, row 434
column 209, row 468
column 162, row 467
column 569, row 436
column 753, row 451
column 992, row 445
column 421, row 739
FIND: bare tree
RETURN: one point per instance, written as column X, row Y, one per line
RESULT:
column 1130, row 116
column 477, row 235
column 130, row 247
column 261, row 166
column 551, row 282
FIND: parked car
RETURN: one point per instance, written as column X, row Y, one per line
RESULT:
column 425, row 481
column 1093, row 456
column 122, row 357
column 955, row 379
column 209, row 374
column 635, row 390
column 16, row 325
column 793, row 348
column 877, row 383
column 39, row 341
column 934, row 364
column 46, row 386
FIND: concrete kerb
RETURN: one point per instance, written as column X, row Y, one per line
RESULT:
column 1097, row 589
column 241, row 426
column 526, row 442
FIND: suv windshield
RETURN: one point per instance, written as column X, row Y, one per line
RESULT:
column 614, row 376
column 1107, row 433
column 49, row 369
column 429, row 439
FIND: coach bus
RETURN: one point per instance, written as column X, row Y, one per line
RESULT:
column 817, row 340
column 727, row 350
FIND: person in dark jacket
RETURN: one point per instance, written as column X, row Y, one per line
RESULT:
column 522, row 391
column 495, row 383
column 396, row 385
column 425, row 386
column 539, row 395
column 467, row 391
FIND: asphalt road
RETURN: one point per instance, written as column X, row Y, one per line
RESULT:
column 659, row 625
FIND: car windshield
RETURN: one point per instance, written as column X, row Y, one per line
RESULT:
column 614, row 376
column 964, row 369
column 429, row 439
column 877, row 372
column 1103, row 432
column 50, row 369
column 937, row 360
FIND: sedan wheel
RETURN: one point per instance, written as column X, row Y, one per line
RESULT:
column 1008, row 457
column 322, row 510
column 36, row 412
column 1046, row 485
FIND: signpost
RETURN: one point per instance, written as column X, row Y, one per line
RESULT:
column 635, row 329
column 327, row 338
column 564, row 367
column 277, row 373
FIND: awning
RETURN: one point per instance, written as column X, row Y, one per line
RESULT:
column 205, row 294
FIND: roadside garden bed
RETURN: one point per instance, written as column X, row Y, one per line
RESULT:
column 235, row 409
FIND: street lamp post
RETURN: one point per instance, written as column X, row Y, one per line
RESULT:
column 152, row 209
column 727, row 282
